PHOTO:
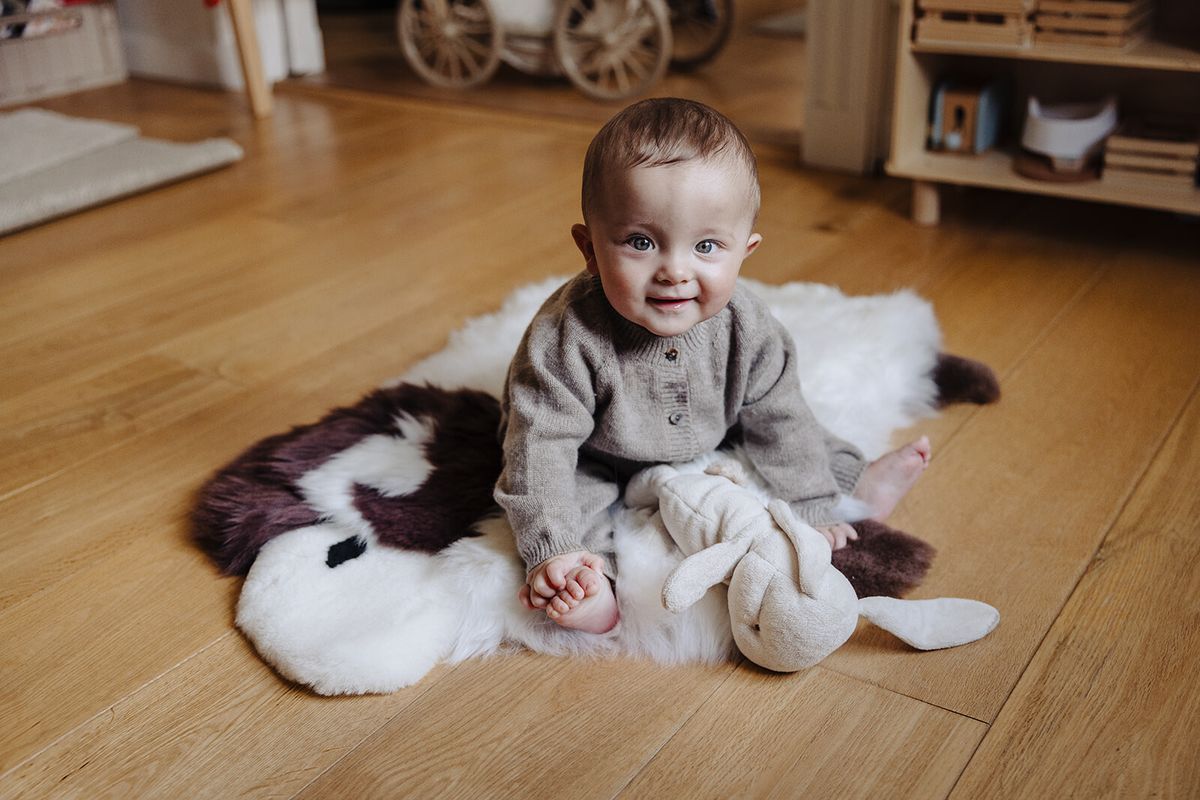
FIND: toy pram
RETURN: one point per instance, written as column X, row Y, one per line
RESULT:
column 609, row 49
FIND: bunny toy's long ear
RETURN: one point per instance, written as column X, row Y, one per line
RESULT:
column 812, row 551
column 698, row 573
column 931, row 624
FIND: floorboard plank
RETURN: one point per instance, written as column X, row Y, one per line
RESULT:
column 244, row 269
column 82, row 284
column 220, row 725
column 813, row 734
column 102, row 633
column 499, row 727
column 1108, row 707
column 47, row 429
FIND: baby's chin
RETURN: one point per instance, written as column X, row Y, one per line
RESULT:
column 670, row 319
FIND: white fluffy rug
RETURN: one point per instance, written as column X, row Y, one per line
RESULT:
column 381, row 620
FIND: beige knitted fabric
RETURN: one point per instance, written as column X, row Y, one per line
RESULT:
column 589, row 391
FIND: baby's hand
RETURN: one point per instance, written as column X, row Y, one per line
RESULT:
column 838, row 534
column 549, row 578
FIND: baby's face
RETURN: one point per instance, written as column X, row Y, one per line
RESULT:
column 668, row 242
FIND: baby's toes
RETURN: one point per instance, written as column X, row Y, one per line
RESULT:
column 589, row 580
column 915, row 456
column 566, row 597
column 574, row 590
column 558, row 605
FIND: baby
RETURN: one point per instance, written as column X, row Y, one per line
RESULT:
column 657, row 354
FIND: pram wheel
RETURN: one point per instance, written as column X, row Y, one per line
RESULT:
column 700, row 29
column 454, row 44
column 612, row 49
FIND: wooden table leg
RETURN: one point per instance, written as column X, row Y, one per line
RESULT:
column 926, row 204
column 242, row 16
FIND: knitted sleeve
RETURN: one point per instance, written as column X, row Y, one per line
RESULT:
column 548, row 408
column 803, row 463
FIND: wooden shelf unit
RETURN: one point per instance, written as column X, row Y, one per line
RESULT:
column 919, row 66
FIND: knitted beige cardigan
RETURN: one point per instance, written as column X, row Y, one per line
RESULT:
column 586, row 385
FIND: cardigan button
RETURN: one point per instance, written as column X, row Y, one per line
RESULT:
column 675, row 417
column 672, row 354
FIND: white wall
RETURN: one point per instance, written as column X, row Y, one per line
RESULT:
column 185, row 40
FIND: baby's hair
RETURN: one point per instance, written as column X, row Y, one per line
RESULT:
column 661, row 131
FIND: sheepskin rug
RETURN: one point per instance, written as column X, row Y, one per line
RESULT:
column 372, row 550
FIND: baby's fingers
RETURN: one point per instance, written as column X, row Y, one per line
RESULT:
column 532, row 600
column 592, row 561
column 556, row 571
column 541, row 587
column 844, row 533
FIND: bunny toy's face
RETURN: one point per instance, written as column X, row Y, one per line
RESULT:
column 789, row 607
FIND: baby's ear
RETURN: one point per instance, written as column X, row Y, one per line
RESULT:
column 753, row 243
column 583, row 240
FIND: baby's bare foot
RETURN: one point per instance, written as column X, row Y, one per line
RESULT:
column 586, row 603
column 887, row 479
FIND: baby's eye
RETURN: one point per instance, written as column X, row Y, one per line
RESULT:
column 706, row 247
column 641, row 243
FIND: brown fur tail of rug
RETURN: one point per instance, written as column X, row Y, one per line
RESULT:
column 246, row 505
column 884, row 561
column 962, row 380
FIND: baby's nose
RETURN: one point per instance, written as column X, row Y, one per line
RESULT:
column 673, row 269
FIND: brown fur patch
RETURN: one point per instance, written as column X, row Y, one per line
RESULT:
column 963, row 380
column 884, row 561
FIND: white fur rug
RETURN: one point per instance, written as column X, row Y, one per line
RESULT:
column 382, row 620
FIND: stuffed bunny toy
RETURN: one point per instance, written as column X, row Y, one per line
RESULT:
column 788, row 606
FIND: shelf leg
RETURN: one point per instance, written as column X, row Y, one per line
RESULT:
column 257, row 88
column 926, row 203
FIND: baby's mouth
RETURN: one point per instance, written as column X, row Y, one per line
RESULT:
column 669, row 302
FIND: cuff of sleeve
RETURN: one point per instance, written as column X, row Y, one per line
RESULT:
column 815, row 514
column 545, row 549
column 847, row 471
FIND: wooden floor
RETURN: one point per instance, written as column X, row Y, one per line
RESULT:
column 147, row 342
